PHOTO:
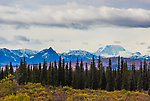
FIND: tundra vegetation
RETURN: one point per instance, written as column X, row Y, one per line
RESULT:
column 59, row 81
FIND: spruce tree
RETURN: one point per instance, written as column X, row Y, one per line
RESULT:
column 70, row 75
column 40, row 70
column 75, row 82
column 86, row 76
column 25, row 70
column 90, row 75
column 118, row 76
column 99, row 71
column 132, row 82
column 110, row 79
column 114, row 75
column 99, row 62
column 29, row 77
column 35, row 74
column 59, row 72
column 145, row 76
column 11, row 69
column 1, row 73
column 55, row 74
column 66, row 75
column 54, row 81
column 6, row 71
column 44, row 73
column 49, row 79
column 140, row 79
column 149, row 76
column 103, row 81
column 63, row 73
column 22, row 72
column 122, row 65
column 94, row 75
column 81, row 76
column 125, row 79
column 135, row 76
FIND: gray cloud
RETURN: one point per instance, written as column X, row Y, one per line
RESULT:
column 117, row 42
column 3, row 41
column 100, row 44
column 111, row 3
column 85, row 43
column 142, row 43
column 148, row 47
column 35, row 41
column 21, row 38
column 75, row 16
column 51, row 40
column 65, row 41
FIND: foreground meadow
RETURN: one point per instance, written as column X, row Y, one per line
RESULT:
column 11, row 91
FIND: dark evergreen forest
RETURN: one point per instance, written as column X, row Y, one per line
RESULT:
column 95, row 76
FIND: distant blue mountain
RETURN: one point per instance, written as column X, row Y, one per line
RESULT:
column 115, row 51
column 34, row 57
column 47, row 54
column 80, row 54
column 25, row 52
column 112, row 49
column 7, row 56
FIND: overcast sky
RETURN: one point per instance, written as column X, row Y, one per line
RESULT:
column 75, row 24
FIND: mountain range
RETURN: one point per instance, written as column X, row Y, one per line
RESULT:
column 34, row 57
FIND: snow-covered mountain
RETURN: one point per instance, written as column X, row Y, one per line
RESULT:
column 28, row 53
column 7, row 56
column 31, row 56
column 73, row 54
column 114, row 51
column 98, row 52
column 47, row 54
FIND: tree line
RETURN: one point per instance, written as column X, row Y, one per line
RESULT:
column 95, row 76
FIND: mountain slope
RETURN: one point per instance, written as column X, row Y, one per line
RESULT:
column 74, row 54
column 113, row 51
column 47, row 54
column 33, row 56
column 7, row 56
column 98, row 52
column 25, row 52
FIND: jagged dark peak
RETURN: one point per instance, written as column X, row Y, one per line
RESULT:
column 50, row 48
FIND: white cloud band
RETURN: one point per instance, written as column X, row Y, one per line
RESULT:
column 75, row 16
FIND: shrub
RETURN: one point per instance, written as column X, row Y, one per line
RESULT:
column 149, row 91
column 8, row 86
column 123, row 91
column 128, row 93
column 18, row 97
column 66, row 88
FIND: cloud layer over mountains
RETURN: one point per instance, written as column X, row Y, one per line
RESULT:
column 75, row 16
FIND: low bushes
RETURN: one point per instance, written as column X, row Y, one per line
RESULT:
column 18, row 97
